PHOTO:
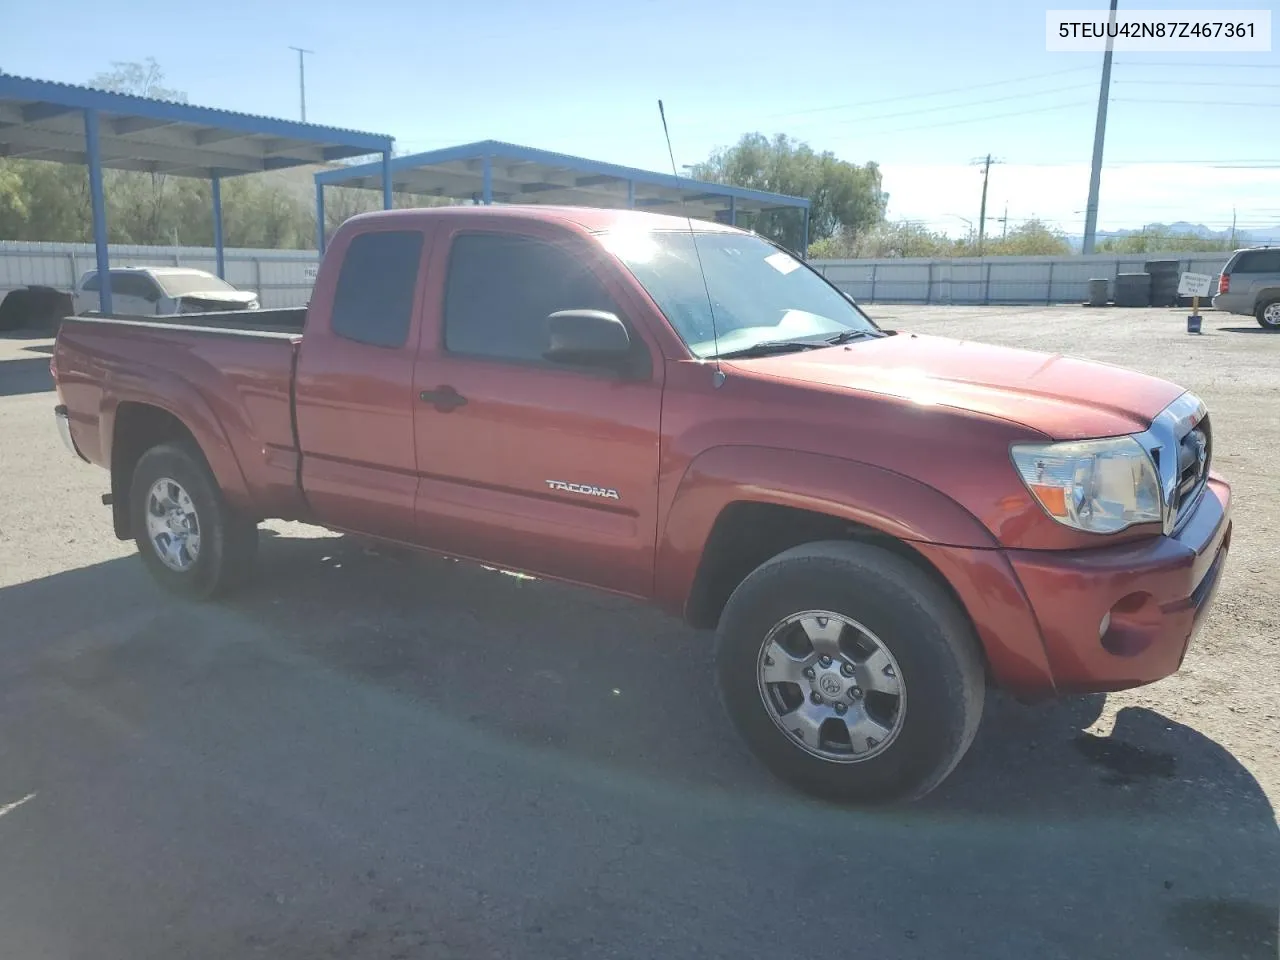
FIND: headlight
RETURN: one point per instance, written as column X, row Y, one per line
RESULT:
column 254, row 305
column 1096, row 485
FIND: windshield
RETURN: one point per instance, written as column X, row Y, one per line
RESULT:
column 759, row 293
column 181, row 284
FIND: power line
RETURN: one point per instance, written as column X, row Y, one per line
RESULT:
column 922, row 96
column 955, row 106
column 994, row 116
column 1199, row 83
column 1204, row 66
column 1200, row 103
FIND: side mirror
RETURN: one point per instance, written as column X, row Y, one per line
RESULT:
column 592, row 338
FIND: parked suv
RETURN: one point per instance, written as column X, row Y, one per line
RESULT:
column 1250, row 283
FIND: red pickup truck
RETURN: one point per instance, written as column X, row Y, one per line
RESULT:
column 878, row 524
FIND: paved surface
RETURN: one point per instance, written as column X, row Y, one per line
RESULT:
column 367, row 756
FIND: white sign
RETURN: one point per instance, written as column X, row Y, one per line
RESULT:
column 782, row 262
column 309, row 272
column 1194, row 285
column 1159, row 31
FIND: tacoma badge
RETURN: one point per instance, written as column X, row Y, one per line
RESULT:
column 586, row 488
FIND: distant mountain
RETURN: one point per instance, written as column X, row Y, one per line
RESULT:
column 1244, row 238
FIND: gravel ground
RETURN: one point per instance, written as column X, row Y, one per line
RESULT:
column 366, row 755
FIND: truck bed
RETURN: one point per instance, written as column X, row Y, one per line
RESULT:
column 282, row 320
column 236, row 381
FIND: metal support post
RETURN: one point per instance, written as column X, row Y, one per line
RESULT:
column 387, row 201
column 218, row 253
column 320, row 217
column 99, row 206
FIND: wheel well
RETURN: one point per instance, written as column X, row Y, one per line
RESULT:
column 138, row 428
column 747, row 534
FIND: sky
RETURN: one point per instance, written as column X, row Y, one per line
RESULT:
column 922, row 87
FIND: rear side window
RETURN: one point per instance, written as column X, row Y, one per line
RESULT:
column 374, row 300
column 1258, row 261
column 501, row 289
column 90, row 284
column 133, row 285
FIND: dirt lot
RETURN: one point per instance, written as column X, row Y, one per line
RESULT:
column 366, row 756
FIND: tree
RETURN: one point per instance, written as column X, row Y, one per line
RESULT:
column 844, row 196
column 138, row 200
column 1032, row 238
column 144, row 79
column 900, row 239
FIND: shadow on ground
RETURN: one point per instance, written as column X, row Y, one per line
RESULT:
column 25, row 375
column 1152, row 834
column 1246, row 330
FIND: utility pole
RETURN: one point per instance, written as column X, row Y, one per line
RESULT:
column 1099, row 135
column 302, row 79
column 982, row 213
column 1004, row 232
column 1233, row 229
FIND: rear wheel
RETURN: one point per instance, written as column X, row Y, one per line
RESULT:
column 1268, row 314
column 850, row 672
column 192, row 541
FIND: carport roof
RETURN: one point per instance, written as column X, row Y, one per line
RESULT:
column 44, row 120
column 520, row 174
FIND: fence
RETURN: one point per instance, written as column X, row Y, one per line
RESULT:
column 990, row 280
column 282, row 278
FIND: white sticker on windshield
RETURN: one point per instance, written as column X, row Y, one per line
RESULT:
column 782, row 262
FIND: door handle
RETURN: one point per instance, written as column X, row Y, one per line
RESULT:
column 444, row 398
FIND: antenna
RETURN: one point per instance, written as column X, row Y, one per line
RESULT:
column 693, row 237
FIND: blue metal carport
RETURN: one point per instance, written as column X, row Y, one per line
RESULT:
column 492, row 171
column 61, row 122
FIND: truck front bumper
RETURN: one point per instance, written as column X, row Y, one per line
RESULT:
column 64, row 430
column 1079, row 621
column 1119, row 617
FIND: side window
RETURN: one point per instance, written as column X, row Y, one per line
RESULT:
column 91, row 284
column 373, row 302
column 501, row 289
column 133, row 285
column 1258, row 261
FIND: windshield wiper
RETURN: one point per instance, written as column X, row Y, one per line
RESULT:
column 849, row 336
column 767, row 348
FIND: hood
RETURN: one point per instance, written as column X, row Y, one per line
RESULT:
column 240, row 297
column 1065, row 398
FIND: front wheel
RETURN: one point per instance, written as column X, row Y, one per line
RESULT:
column 192, row 541
column 1268, row 314
column 850, row 672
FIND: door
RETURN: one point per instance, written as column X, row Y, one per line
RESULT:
column 354, row 384
column 522, row 462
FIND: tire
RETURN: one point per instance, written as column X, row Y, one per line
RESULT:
column 225, row 542
column 930, row 646
column 1268, row 314
column 15, row 309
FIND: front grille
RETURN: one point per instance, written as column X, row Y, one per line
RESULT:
column 1195, row 449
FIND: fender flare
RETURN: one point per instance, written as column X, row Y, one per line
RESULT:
column 188, row 406
column 890, row 503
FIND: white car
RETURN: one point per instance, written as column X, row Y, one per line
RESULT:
column 162, row 291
